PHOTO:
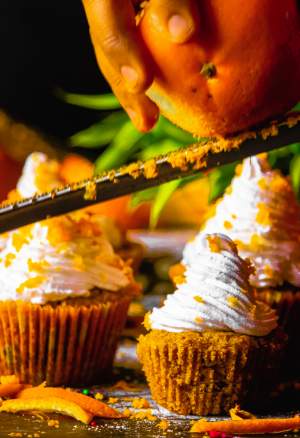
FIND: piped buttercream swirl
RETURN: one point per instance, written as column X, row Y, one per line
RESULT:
column 64, row 257
column 259, row 211
column 40, row 174
column 215, row 294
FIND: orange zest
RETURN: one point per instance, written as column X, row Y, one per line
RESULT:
column 10, row 389
column 49, row 404
column 248, row 426
column 96, row 407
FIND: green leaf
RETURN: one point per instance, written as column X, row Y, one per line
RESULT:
column 278, row 155
column 101, row 133
column 296, row 107
column 171, row 131
column 295, row 148
column 164, row 193
column 219, row 179
column 143, row 196
column 158, row 148
column 124, row 144
column 98, row 102
column 295, row 173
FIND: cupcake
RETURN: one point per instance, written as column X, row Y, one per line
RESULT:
column 64, row 293
column 41, row 174
column 261, row 215
column 212, row 344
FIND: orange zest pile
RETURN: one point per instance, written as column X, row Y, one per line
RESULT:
column 22, row 398
column 248, row 426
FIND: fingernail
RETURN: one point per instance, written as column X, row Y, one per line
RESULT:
column 132, row 114
column 130, row 75
column 135, row 118
column 179, row 28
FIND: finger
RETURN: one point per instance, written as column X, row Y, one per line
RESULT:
column 141, row 110
column 176, row 18
column 114, row 32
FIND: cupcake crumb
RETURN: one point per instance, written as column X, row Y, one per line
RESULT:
column 163, row 425
column 127, row 412
column 24, row 434
column 112, row 400
column 141, row 415
column 140, row 403
column 53, row 423
column 144, row 415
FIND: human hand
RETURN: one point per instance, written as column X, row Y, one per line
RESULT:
column 122, row 55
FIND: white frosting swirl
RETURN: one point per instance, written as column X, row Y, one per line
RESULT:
column 40, row 174
column 215, row 295
column 260, row 213
column 36, row 268
column 59, row 258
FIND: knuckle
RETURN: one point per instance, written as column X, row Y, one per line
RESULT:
column 110, row 41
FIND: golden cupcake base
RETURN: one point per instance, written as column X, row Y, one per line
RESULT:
column 208, row 373
column 72, row 343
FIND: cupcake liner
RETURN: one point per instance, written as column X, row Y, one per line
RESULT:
column 63, row 344
column 287, row 305
column 208, row 373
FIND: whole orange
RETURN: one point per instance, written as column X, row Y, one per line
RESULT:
column 241, row 67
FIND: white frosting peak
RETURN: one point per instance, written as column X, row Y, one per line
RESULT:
column 40, row 174
column 260, row 213
column 215, row 294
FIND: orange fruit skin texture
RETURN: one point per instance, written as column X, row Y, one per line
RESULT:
column 255, row 48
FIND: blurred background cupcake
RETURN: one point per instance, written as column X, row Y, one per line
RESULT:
column 64, row 292
column 212, row 344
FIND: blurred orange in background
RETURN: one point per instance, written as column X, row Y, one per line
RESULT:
column 76, row 168
column 188, row 206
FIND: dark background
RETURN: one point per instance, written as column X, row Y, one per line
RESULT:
column 43, row 45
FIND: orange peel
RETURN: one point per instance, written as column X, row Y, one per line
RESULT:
column 96, row 407
column 237, row 413
column 10, row 389
column 248, row 426
column 11, row 378
column 49, row 404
